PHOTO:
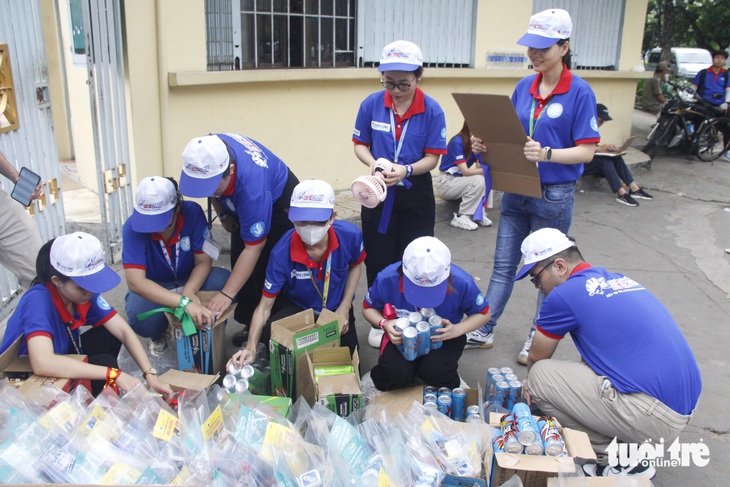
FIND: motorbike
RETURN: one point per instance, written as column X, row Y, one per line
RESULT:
column 695, row 126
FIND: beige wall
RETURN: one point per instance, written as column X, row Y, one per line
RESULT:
column 306, row 116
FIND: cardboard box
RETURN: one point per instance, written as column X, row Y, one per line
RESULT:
column 534, row 470
column 179, row 380
column 606, row 481
column 341, row 394
column 291, row 338
column 203, row 352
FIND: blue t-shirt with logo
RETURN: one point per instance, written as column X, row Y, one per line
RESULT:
column 260, row 180
column 144, row 251
column 36, row 315
column 624, row 333
column 711, row 87
column 292, row 272
column 463, row 297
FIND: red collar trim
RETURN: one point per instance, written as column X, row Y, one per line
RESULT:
column 418, row 105
column 566, row 77
column 581, row 267
column 232, row 184
column 298, row 251
column 176, row 235
column 66, row 317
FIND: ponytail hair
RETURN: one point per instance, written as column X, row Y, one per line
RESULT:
column 567, row 56
column 43, row 268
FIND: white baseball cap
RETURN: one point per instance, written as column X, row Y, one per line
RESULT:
column 547, row 28
column 400, row 56
column 540, row 245
column 156, row 199
column 204, row 161
column 426, row 266
column 311, row 201
column 80, row 256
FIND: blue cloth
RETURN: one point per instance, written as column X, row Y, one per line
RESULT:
column 520, row 216
column 260, row 180
column 455, row 155
column 463, row 297
column 143, row 251
column 624, row 333
column 155, row 325
column 713, row 87
column 36, row 315
column 290, row 270
column 569, row 120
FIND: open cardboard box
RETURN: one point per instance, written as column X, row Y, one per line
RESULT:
column 29, row 384
column 291, row 338
column 340, row 394
column 203, row 352
column 534, row 470
column 179, row 380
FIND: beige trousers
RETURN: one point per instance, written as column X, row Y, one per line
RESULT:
column 19, row 240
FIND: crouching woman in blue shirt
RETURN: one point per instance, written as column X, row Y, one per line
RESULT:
column 424, row 279
column 64, row 297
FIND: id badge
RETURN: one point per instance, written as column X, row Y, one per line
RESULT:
column 211, row 249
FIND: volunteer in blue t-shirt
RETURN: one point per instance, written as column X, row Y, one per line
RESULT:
column 317, row 265
column 463, row 178
column 406, row 127
column 558, row 113
column 637, row 379
column 425, row 278
column 713, row 86
column 251, row 188
column 65, row 296
column 165, row 259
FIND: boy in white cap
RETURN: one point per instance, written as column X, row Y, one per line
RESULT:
column 557, row 110
column 425, row 278
column 64, row 297
column 317, row 265
column 250, row 189
column 638, row 379
column 406, row 127
column 165, row 260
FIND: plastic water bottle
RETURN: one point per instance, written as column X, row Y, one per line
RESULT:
column 690, row 128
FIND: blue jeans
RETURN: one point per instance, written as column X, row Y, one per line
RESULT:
column 155, row 325
column 520, row 216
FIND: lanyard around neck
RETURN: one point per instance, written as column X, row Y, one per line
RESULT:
column 326, row 285
column 533, row 121
column 397, row 143
column 169, row 260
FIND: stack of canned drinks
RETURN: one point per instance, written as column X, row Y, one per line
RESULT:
column 503, row 387
column 417, row 330
column 452, row 403
column 521, row 433
column 255, row 378
column 236, row 380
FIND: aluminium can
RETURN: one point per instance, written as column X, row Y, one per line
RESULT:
column 444, row 404
column 414, row 317
column 501, row 393
column 423, row 337
column 525, row 423
column 410, row 344
column 435, row 323
column 427, row 313
column 444, row 391
column 473, row 409
column 458, row 404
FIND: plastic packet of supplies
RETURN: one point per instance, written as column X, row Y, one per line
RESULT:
column 283, row 445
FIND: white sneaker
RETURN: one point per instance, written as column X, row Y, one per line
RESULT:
column 463, row 222
column 375, row 337
column 727, row 156
column 522, row 356
column 477, row 339
column 484, row 222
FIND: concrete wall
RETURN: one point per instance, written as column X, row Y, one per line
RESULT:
column 303, row 115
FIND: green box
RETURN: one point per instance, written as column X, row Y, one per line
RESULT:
column 341, row 393
column 291, row 338
column 278, row 404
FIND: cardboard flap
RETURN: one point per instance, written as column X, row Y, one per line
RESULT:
column 493, row 119
column 394, row 402
column 532, row 463
column 636, row 480
column 578, row 444
column 326, row 316
column 11, row 353
column 283, row 330
column 179, row 380
column 331, row 356
column 339, row 384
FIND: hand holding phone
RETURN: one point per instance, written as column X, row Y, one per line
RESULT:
column 26, row 188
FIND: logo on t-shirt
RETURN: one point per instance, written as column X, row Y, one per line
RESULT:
column 267, row 284
column 554, row 110
column 257, row 229
column 101, row 303
column 480, row 299
column 185, row 244
column 599, row 285
column 594, row 124
column 295, row 274
column 380, row 126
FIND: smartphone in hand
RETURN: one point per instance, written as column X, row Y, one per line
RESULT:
column 25, row 186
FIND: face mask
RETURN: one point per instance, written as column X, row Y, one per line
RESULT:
column 312, row 234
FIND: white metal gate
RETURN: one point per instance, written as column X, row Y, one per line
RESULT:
column 105, row 67
column 32, row 143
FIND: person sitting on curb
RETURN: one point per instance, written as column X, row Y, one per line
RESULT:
column 462, row 178
column 637, row 380
column 317, row 265
column 614, row 169
column 165, row 259
column 424, row 279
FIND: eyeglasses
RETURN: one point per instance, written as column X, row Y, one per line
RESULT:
column 534, row 279
column 389, row 85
